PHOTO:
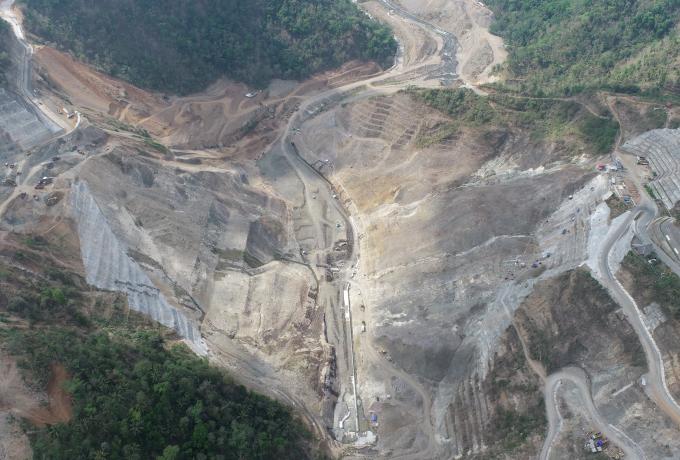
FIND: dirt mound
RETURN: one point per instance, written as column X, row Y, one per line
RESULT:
column 89, row 89
column 61, row 402
column 17, row 398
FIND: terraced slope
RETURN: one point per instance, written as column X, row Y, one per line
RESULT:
column 19, row 123
column 662, row 148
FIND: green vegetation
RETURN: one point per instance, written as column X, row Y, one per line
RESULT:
column 653, row 281
column 656, row 116
column 599, row 132
column 136, row 398
column 650, row 192
column 515, row 427
column 545, row 119
column 182, row 46
column 135, row 394
column 566, row 47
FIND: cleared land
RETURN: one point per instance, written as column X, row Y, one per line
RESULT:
column 384, row 261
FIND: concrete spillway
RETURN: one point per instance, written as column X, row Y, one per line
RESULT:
column 108, row 266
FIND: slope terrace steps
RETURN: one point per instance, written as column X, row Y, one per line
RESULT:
column 662, row 149
column 22, row 125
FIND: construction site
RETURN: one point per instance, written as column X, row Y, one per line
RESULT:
column 410, row 296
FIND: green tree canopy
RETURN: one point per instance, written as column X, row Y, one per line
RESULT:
column 183, row 45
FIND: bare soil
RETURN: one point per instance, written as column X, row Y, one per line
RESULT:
column 480, row 51
column 16, row 397
column 667, row 332
column 568, row 320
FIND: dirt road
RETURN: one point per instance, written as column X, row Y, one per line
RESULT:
column 323, row 204
column 579, row 378
column 51, row 120
column 656, row 386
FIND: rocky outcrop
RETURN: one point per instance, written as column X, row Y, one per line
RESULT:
column 108, row 266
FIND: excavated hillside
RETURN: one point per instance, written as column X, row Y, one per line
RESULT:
column 239, row 246
column 447, row 236
column 572, row 321
column 405, row 267
column 479, row 50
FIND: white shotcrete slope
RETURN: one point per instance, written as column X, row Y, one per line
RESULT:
column 108, row 266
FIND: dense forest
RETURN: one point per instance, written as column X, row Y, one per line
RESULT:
column 137, row 399
column 136, row 393
column 565, row 47
column 183, row 45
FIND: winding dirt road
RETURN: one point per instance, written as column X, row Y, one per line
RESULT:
column 657, row 388
column 51, row 120
column 579, row 378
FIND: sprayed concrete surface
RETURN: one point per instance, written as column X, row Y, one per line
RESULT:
column 108, row 266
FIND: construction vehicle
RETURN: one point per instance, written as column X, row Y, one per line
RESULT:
column 596, row 443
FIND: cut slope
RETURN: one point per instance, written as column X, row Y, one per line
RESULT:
column 101, row 380
column 4, row 56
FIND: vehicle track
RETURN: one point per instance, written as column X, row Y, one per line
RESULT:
column 579, row 378
column 657, row 388
column 313, row 179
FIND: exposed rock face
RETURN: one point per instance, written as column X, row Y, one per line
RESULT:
column 21, row 120
column 222, row 253
column 108, row 266
column 448, row 234
column 19, row 123
column 662, row 147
